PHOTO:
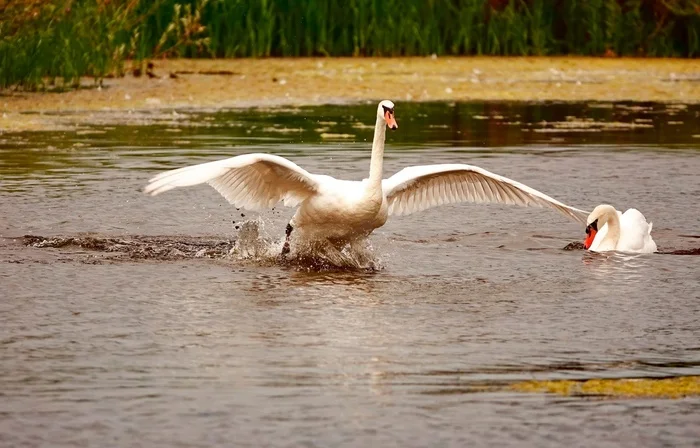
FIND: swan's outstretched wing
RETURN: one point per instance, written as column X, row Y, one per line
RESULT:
column 419, row 187
column 251, row 181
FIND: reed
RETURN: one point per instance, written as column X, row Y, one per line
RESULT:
column 58, row 41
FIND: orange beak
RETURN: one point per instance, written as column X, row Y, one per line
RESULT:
column 390, row 120
column 589, row 238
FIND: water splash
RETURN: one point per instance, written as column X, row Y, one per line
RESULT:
column 253, row 243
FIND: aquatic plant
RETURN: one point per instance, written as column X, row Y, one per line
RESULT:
column 55, row 43
column 43, row 41
column 457, row 27
column 677, row 387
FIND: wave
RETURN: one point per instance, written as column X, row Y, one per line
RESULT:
column 251, row 244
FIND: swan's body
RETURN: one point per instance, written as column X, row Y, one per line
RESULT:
column 609, row 230
column 341, row 211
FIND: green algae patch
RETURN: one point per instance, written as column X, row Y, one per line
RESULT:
column 677, row 387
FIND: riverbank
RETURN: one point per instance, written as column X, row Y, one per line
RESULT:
column 187, row 84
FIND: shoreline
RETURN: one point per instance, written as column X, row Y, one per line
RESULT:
column 217, row 84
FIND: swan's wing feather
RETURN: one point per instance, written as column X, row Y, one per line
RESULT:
column 251, row 181
column 420, row 187
column 635, row 232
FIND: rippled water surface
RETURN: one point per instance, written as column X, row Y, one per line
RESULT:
column 141, row 330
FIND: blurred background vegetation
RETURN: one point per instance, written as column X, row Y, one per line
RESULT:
column 44, row 42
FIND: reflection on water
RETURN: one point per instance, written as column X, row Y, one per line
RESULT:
column 131, row 320
column 483, row 127
column 622, row 267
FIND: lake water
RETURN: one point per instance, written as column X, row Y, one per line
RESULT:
column 137, row 329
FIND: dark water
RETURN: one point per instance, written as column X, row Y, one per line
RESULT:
column 147, row 333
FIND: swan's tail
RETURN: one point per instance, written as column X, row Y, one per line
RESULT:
column 650, row 225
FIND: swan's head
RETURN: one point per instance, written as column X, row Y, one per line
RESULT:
column 598, row 218
column 385, row 111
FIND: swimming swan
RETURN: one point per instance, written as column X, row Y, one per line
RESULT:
column 341, row 211
column 607, row 229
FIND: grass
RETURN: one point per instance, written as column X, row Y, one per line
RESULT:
column 60, row 41
column 43, row 42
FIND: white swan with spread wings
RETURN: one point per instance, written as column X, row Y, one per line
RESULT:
column 340, row 211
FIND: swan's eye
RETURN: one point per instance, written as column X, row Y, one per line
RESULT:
column 593, row 226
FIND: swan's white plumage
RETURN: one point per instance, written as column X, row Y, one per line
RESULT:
column 634, row 233
column 251, row 181
column 417, row 188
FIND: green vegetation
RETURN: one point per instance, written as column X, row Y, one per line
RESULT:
column 61, row 40
column 40, row 41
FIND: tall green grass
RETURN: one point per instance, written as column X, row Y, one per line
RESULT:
column 44, row 41
column 450, row 27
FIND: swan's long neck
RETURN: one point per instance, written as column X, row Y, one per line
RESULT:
column 613, row 222
column 376, row 165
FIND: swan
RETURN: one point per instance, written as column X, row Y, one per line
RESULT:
column 343, row 212
column 608, row 229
